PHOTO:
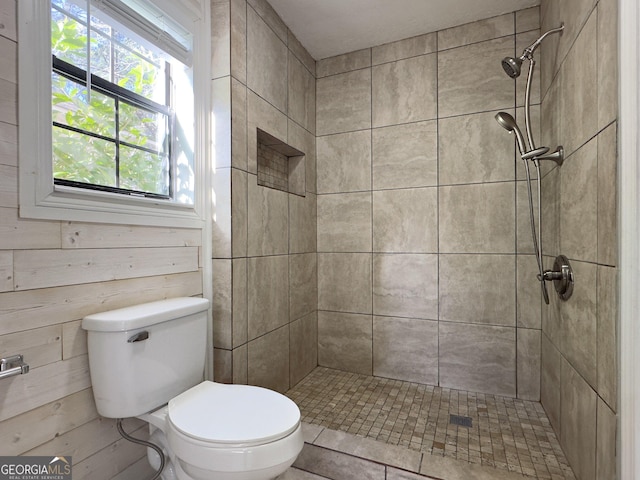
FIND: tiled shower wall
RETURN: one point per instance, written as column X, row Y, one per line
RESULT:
column 579, row 352
column 264, row 240
column 425, row 270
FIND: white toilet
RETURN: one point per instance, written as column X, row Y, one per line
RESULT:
column 147, row 361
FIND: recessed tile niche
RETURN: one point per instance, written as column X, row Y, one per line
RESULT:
column 280, row 166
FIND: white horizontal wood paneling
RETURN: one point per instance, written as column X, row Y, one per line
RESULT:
column 74, row 339
column 17, row 233
column 40, row 346
column 6, row 270
column 8, row 186
column 8, row 102
column 109, row 461
column 140, row 469
column 9, row 55
column 51, row 268
column 41, row 385
column 35, row 427
column 82, row 442
column 21, row 311
column 8, row 20
column 91, row 235
column 8, row 144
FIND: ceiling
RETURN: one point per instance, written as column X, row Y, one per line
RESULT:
column 332, row 27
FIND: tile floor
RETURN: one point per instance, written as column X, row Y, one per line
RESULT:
column 508, row 434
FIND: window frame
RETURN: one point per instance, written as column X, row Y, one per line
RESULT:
column 40, row 197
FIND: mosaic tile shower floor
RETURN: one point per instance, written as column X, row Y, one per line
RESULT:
column 506, row 433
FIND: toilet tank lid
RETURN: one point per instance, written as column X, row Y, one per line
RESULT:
column 144, row 315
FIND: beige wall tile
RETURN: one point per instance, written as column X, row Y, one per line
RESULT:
column 302, row 94
column 524, row 237
column 605, row 442
column 305, row 141
column 222, row 366
column 343, row 102
column 344, row 222
column 268, row 360
column 578, row 422
column 477, row 218
column 405, row 220
column 607, row 197
column 239, row 211
column 474, row 32
column 607, row 340
column 302, row 223
column 550, row 213
column 466, row 296
column 473, row 149
column 266, row 62
column 344, row 282
column 238, row 125
column 301, row 53
column 221, row 39
column 271, row 18
column 405, row 285
column 222, row 228
column 406, row 48
column 579, row 323
column 579, row 204
column 268, row 220
column 607, row 62
column 550, row 362
column 405, row 155
column 579, row 88
column 528, row 297
column 479, row 358
column 261, row 114
column 240, row 364
column 221, row 307
column 528, row 364
column 528, row 19
column 303, row 347
column 303, row 285
column 344, row 63
column 344, row 162
column 481, row 86
column 405, row 91
column 405, row 349
column 239, row 40
column 268, row 294
column 345, row 341
column 239, row 301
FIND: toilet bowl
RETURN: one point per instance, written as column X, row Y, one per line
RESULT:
column 147, row 361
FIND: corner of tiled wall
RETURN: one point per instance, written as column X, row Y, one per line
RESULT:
column 265, row 319
column 579, row 110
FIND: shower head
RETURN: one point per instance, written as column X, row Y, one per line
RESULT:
column 512, row 66
column 507, row 122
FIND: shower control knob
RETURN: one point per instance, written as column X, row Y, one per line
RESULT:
column 562, row 277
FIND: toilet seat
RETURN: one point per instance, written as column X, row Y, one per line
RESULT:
column 213, row 414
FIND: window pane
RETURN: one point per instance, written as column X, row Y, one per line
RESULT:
column 82, row 158
column 143, row 128
column 68, row 36
column 71, row 107
column 140, row 170
column 139, row 75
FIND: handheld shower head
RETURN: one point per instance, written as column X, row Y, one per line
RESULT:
column 507, row 122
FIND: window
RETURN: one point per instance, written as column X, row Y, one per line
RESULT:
column 121, row 136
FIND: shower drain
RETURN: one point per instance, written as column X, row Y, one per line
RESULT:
column 460, row 420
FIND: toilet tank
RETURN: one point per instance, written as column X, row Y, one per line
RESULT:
column 142, row 356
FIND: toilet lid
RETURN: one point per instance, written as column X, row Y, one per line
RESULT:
column 237, row 414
